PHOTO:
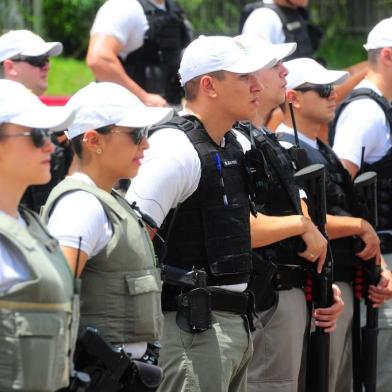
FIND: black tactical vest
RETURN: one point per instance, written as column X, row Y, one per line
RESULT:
column 275, row 191
column 296, row 27
column 339, row 198
column 211, row 228
column 155, row 65
column 383, row 167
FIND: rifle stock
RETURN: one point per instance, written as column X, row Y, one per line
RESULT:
column 312, row 180
column 365, row 338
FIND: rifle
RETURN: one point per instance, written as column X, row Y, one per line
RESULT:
column 312, row 180
column 110, row 368
column 365, row 339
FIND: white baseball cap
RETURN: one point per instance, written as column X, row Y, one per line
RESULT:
column 219, row 53
column 263, row 45
column 26, row 43
column 101, row 104
column 20, row 106
column 380, row 36
column 306, row 70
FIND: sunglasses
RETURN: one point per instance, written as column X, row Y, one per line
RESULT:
column 38, row 136
column 323, row 90
column 35, row 61
column 136, row 134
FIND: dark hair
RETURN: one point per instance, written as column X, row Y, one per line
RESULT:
column 192, row 86
column 77, row 141
column 373, row 55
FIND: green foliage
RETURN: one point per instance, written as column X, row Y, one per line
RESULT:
column 67, row 76
column 69, row 21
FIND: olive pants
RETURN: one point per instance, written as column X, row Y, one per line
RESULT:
column 212, row 361
column 278, row 344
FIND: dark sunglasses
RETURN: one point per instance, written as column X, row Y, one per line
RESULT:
column 323, row 90
column 38, row 136
column 35, row 61
column 136, row 134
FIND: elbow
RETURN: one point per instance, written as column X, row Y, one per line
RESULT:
column 95, row 63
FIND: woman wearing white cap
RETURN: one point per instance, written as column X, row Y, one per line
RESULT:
column 37, row 321
column 121, row 284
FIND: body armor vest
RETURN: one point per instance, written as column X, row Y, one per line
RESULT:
column 121, row 285
column 340, row 201
column 39, row 316
column 275, row 191
column 211, row 229
column 383, row 167
column 155, row 65
column 296, row 27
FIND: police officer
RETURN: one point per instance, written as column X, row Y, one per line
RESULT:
column 102, row 237
column 283, row 21
column 279, row 277
column 38, row 304
column 311, row 91
column 138, row 44
column 198, row 199
column 364, row 120
column 25, row 58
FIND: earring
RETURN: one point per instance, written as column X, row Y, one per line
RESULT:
column 98, row 151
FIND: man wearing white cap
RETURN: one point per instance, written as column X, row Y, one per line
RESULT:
column 24, row 58
column 103, row 238
column 364, row 121
column 311, row 92
column 197, row 166
column 38, row 307
column 280, row 300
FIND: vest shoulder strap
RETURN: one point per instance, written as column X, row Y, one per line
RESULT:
column 171, row 7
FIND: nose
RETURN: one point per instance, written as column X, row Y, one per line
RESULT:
column 256, row 85
column 48, row 146
column 333, row 95
column 144, row 143
column 283, row 71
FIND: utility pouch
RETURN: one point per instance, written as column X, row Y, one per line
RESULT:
column 194, row 310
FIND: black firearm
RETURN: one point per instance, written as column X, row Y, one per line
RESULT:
column 312, row 180
column 367, row 273
column 110, row 368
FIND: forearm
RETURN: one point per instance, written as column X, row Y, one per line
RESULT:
column 343, row 226
column 266, row 230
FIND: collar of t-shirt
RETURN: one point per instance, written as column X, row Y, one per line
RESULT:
column 19, row 219
column 366, row 83
column 82, row 177
column 286, row 129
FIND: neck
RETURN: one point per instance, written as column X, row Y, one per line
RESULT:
column 11, row 195
column 307, row 127
column 98, row 175
column 382, row 81
column 216, row 123
column 285, row 3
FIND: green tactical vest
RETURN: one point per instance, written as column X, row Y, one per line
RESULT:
column 121, row 286
column 38, row 317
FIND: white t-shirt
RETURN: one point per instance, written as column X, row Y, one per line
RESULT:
column 80, row 214
column 13, row 266
column 125, row 20
column 362, row 123
column 265, row 22
column 170, row 173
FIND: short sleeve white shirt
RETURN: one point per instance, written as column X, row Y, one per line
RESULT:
column 80, row 214
column 362, row 123
column 124, row 20
column 265, row 22
column 170, row 173
column 13, row 266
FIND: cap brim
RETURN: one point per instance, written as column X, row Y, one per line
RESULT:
column 49, row 48
column 48, row 117
column 284, row 50
column 146, row 116
column 327, row 77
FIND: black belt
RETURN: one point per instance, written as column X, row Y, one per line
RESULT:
column 288, row 277
column 386, row 242
column 221, row 300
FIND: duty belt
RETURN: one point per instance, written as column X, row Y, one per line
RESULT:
column 288, row 277
column 221, row 300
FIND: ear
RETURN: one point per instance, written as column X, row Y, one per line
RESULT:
column 207, row 85
column 292, row 97
column 92, row 140
column 386, row 56
column 9, row 68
